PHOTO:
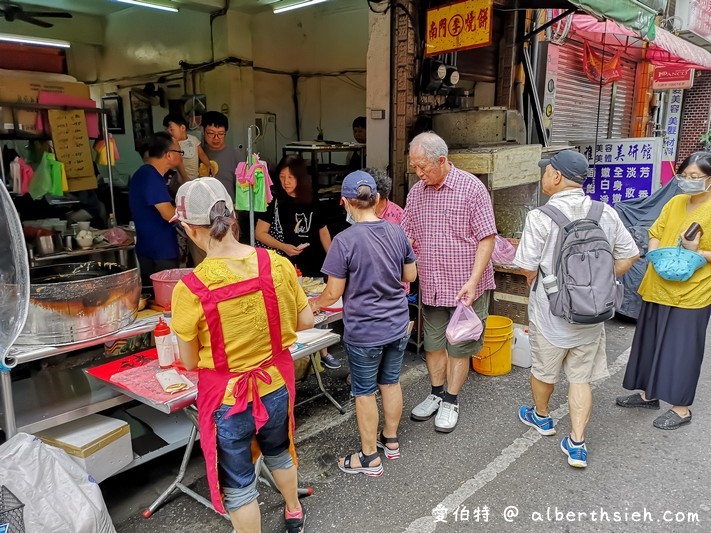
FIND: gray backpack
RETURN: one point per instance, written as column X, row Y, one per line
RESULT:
column 587, row 291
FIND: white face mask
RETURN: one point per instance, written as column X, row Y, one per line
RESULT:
column 692, row 186
column 349, row 217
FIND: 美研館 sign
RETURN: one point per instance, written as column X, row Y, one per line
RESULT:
column 621, row 169
column 459, row 26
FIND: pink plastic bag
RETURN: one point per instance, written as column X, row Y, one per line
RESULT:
column 464, row 325
column 504, row 251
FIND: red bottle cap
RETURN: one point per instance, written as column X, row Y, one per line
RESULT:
column 162, row 329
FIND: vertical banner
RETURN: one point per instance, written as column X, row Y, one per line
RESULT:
column 672, row 127
column 621, row 169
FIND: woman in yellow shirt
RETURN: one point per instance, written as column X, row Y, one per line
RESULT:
column 235, row 317
column 668, row 346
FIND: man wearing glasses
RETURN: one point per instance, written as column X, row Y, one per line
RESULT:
column 223, row 159
column 152, row 208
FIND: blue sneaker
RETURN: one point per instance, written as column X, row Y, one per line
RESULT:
column 528, row 416
column 330, row 362
column 577, row 455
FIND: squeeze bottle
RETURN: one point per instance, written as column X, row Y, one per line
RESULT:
column 164, row 345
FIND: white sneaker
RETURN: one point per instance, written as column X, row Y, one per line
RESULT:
column 447, row 417
column 427, row 408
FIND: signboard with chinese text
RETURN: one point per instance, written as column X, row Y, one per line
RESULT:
column 672, row 127
column 673, row 78
column 459, row 26
column 695, row 16
column 621, row 169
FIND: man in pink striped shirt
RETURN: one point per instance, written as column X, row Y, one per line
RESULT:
column 450, row 220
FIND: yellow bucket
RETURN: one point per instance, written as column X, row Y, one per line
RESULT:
column 495, row 357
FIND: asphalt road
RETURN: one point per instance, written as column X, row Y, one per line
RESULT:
column 491, row 474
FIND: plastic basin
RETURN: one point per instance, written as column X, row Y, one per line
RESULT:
column 165, row 281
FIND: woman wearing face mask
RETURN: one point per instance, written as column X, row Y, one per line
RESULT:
column 366, row 265
column 668, row 347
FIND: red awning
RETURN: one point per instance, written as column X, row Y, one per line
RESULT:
column 666, row 50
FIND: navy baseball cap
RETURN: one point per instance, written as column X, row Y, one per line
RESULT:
column 573, row 165
column 356, row 179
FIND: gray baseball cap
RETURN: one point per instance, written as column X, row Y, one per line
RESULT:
column 573, row 165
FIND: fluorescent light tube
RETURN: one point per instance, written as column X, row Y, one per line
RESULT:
column 148, row 4
column 33, row 40
column 297, row 5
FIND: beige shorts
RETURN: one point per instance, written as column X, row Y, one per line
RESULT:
column 582, row 364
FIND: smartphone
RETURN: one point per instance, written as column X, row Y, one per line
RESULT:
column 303, row 245
column 690, row 234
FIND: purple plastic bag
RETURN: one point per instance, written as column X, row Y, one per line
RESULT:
column 464, row 325
column 504, row 252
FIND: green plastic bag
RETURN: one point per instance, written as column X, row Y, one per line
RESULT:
column 55, row 172
column 41, row 183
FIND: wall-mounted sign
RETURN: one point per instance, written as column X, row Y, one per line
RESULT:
column 699, row 17
column 621, row 169
column 673, row 78
column 672, row 123
column 459, row 26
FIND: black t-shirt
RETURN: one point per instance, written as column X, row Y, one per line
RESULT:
column 295, row 223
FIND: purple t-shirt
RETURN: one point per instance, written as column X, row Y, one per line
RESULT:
column 370, row 257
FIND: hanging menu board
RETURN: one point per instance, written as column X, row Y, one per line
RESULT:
column 71, row 146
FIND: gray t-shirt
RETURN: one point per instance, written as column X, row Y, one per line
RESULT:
column 370, row 256
column 227, row 160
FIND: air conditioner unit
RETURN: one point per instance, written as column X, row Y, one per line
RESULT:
column 695, row 19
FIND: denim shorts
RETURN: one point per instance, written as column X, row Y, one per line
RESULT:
column 375, row 365
column 235, row 434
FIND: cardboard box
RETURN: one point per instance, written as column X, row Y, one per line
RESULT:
column 99, row 444
column 26, row 91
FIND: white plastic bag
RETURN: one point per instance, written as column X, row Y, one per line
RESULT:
column 58, row 495
column 464, row 325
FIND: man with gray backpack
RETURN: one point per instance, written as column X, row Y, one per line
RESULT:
column 572, row 250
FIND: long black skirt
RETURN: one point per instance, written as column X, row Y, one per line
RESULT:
column 667, row 352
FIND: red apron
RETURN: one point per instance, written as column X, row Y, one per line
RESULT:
column 212, row 383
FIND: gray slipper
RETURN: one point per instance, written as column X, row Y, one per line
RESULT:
column 671, row 420
column 635, row 400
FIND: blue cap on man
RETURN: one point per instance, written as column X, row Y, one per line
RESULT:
column 573, row 165
column 354, row 181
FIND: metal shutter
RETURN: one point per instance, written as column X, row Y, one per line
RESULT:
column 575, row 115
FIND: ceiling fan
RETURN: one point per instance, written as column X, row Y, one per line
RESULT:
column 12, row 12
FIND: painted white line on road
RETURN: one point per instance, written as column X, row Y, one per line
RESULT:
column 506, row 458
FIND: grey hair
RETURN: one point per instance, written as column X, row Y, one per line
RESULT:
column 431, row 144
column 382, row 181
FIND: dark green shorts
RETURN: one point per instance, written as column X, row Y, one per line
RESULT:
column 436, row 320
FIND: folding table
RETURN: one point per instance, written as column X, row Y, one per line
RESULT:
column 124, row 375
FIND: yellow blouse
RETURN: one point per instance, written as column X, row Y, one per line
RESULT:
column 244, row 319
column 672, row 222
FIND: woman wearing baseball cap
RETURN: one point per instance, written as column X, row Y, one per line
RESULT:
column 235, row 317
column 366, row 264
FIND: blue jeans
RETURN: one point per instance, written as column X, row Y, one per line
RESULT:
column 375, row 365
column 235, row 434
